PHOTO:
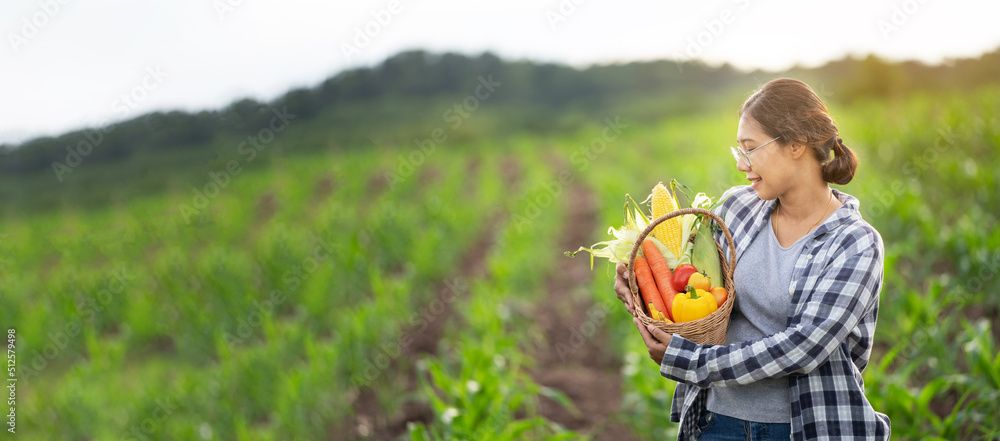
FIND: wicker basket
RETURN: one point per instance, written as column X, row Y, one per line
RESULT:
column 708, row 330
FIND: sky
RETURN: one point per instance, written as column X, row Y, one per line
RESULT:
column 68, row 64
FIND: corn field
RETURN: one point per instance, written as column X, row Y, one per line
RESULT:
column 405, row 294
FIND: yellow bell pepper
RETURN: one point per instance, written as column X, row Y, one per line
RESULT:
column 693, row 304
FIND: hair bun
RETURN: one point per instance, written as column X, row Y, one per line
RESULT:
column 791, row 109
column 840, row 170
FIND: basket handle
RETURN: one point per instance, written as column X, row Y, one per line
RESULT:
column 649, row 229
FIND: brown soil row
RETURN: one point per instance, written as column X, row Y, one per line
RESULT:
column 368, row 421
column 577, row 357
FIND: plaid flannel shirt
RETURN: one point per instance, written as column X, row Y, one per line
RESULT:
column 834, row 294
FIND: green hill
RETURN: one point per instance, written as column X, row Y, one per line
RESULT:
column 384, row 265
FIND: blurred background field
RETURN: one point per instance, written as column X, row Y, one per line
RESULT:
column 388, row 265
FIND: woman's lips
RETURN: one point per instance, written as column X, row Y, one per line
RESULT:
column 754, row 182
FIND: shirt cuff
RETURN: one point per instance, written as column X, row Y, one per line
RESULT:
column 678, row 358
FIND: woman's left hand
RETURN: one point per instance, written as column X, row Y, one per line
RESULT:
column 656, row 340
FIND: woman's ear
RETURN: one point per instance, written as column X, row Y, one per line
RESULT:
column 796, row 150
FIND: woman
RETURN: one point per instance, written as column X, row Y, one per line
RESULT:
column 807, row 281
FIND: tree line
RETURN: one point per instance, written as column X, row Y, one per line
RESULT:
column 535, row 97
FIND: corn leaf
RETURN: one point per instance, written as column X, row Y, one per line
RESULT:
column 691, row 226
column 618, row 250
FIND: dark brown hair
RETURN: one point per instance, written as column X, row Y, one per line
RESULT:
column 791, row 109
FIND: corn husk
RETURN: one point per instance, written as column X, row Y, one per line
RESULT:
column 618, row 249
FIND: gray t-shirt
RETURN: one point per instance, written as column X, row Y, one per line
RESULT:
column 762, row 278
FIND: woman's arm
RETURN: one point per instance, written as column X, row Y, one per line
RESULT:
column 843, row 295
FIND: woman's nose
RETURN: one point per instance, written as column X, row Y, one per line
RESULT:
column 742, row 166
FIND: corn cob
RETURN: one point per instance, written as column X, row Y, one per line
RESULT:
column 669, row 231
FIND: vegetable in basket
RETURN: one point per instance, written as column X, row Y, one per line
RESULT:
column 720, row 295
column 700, row 281
column 668, row 231
column 682, row 242
column 693, row 304
column 682, row 274
column 704, row 254
column 647, row 289
column 618, row 250
column 661, row 274
column 699, row 244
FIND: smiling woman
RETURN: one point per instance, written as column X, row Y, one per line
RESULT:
column 810, row 155
column 793, row 113
column 807, row 280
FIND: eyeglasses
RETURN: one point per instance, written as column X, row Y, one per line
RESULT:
column 739, row 154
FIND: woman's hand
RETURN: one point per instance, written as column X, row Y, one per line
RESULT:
column 622, row 289
column 655, row 338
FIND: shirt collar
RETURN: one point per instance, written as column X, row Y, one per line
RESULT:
column 849, row 211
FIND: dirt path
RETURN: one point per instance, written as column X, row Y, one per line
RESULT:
column 369, row 422
column 576, row 358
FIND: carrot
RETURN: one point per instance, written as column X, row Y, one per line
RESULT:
column 661, row 274
column 647, row 289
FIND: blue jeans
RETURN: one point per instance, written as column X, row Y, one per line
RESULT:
column 715, row 426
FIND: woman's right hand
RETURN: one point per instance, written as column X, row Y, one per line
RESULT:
column 622, row 289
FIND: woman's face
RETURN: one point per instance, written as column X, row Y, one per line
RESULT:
column 771, row 173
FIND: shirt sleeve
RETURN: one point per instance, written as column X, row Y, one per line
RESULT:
column 839, row 301
column 728, row 201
